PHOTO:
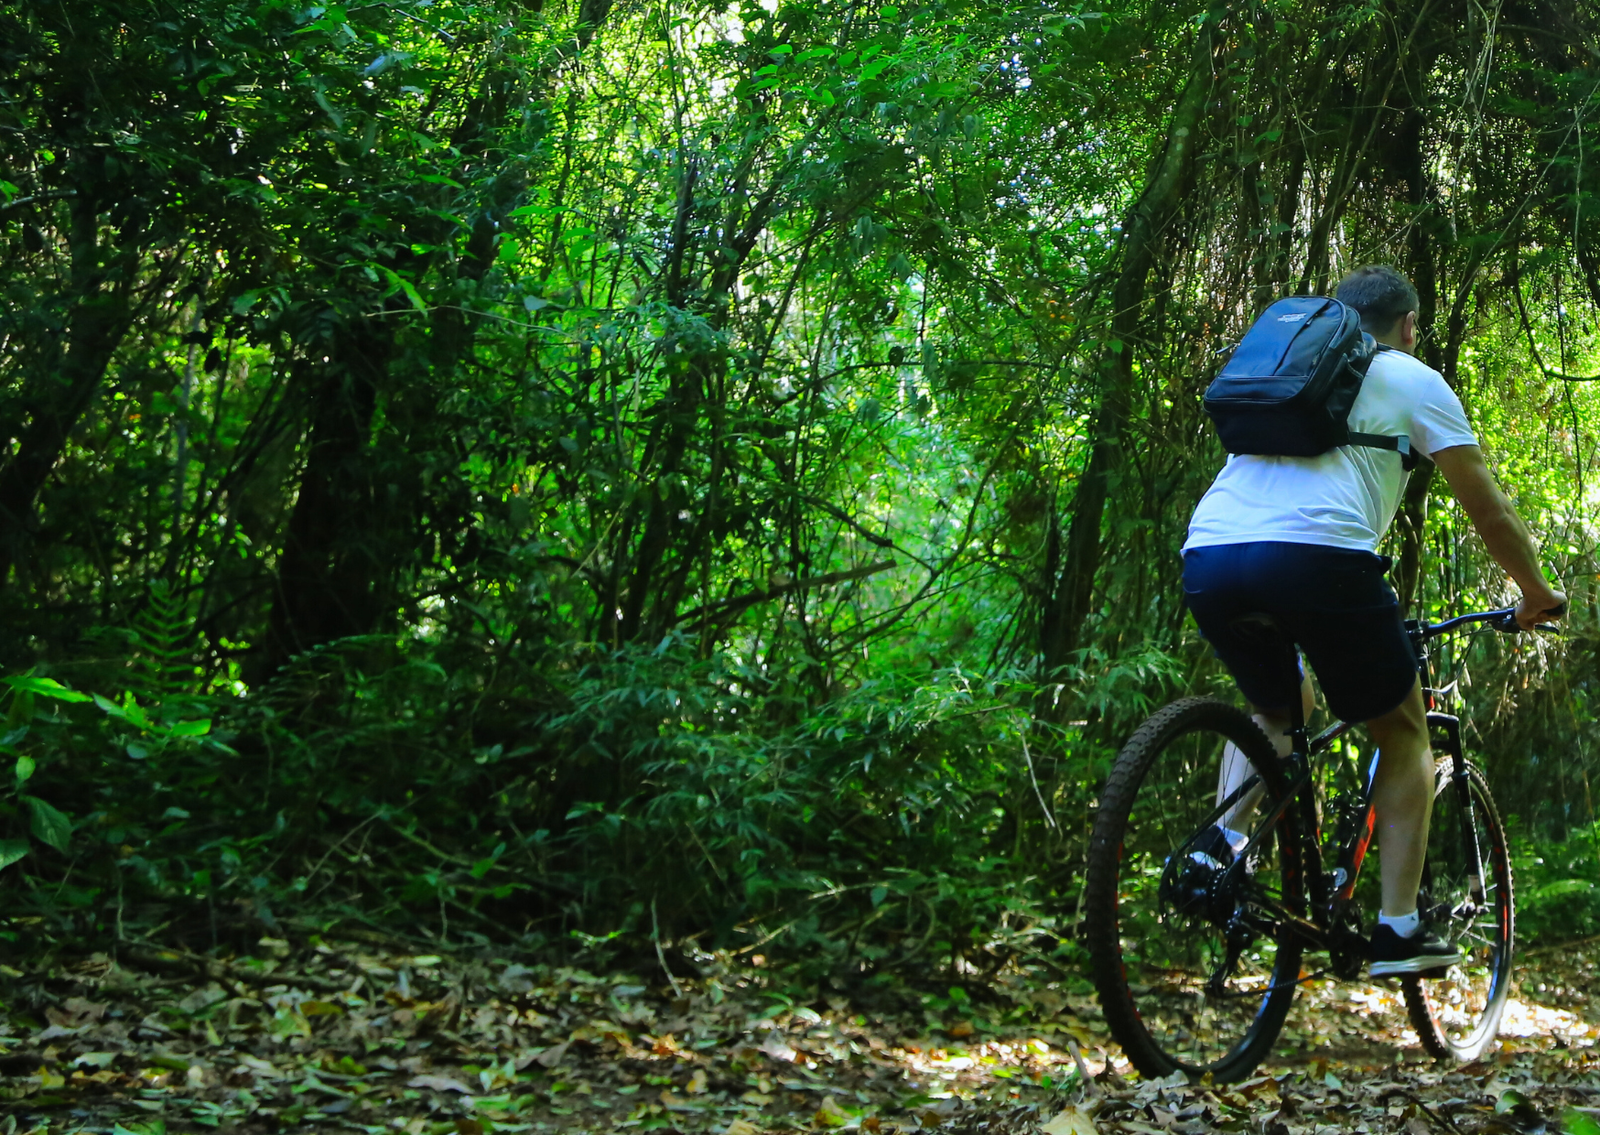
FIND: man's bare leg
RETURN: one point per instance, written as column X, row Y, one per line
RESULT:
column 1402, row 796
column 1236, row 769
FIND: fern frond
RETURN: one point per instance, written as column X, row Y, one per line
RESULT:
column 162, row 637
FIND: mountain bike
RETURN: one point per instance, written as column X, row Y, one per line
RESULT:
column 1196, row 963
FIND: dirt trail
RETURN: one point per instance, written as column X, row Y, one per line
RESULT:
column 345, row 1037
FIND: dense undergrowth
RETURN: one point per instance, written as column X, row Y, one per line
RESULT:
column 630, row 801
column 653, row 797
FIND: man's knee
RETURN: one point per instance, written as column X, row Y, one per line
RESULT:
column 1407, row 721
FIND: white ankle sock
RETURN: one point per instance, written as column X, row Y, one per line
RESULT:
column 1236, row 840
column 1405, row 925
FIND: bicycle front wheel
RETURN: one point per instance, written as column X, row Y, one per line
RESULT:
column 1189, row 974
column 1466, row 895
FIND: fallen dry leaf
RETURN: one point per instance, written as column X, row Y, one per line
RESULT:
column 552, row 1056
column 83, row 1010
column 1070, row 1122
column 531, row 1048
column 439, row 1084
column 779, row 1049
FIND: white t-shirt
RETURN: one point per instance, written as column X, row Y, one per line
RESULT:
column 1346, row 497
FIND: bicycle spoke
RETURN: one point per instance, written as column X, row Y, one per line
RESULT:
column 1456, row 1015
column 1202, row 987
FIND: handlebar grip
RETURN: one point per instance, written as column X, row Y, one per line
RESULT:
column 1507, row 622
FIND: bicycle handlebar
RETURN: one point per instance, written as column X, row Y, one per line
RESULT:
column 1503, row 620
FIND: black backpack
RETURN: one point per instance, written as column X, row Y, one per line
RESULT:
column 1288, row 387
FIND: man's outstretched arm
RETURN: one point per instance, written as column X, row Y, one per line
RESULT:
column 1503, row 532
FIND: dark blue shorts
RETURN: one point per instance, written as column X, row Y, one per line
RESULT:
column 1333, row 601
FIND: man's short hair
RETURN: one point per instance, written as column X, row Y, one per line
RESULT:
column 1380, row 295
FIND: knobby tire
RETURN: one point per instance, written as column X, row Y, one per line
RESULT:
column 1186, row 728
column 1457, row 1016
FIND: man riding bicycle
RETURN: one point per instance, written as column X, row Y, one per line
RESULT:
column 1296, row 538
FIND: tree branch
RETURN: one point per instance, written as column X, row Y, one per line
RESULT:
column 736, row 603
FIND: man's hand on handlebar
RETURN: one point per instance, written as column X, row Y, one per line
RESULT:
column 1539, row 607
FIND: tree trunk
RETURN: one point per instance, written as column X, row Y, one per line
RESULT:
column 1413, row 521
column 341, row 554
column 99, row 319
column 1170, row 181
column 327, row 574
column 672, row 544
column 1423, row 254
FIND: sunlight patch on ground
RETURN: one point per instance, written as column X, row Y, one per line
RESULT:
column 1529, row 1018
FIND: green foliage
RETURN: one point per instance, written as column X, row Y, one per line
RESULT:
column 1576, row 1122
column 1558, row 886
column 34, row 732
column 880, row 808
column 592, row 470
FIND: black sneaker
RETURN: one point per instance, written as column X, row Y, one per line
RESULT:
column 1212, row 850
column 1188, row 883
column 1215, row 850
column 1423, row 952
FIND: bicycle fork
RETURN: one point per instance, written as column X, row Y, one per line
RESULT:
column 1460, row 784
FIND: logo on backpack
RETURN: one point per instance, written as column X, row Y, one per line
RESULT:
column 1287, row 390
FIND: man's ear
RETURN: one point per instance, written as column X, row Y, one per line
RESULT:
column 1408, row 331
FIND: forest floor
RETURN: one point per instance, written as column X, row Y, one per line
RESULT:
column 337, row 1035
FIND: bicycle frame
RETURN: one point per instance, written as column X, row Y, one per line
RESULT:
column 1332, row 923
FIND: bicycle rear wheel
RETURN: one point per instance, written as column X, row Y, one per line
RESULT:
column 1466, row 895
column 1172, row 995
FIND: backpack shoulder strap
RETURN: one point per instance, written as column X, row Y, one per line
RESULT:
column 1399, row 443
